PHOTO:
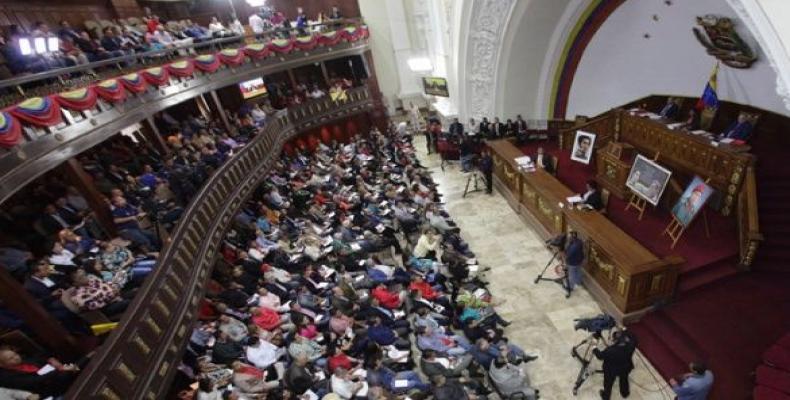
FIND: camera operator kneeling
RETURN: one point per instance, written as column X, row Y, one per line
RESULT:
column 617, row 363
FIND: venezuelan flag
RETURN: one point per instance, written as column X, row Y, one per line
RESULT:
column 709, row 99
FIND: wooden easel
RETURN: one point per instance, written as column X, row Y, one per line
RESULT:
column 637, row 202
column 675, row 228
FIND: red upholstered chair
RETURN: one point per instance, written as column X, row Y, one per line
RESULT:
column 773, row 378
column 766, row 393
column 777, row 356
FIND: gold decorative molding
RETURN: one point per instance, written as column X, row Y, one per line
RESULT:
column 152, row 324
column 127, row 373
column 109, row 394
column 141, row 345
column 655, row 283
column 621, row 285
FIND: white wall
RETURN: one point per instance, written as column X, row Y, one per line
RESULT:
column 377, row 18
column 620, row 65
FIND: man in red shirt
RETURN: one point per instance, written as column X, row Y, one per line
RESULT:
column 386, row 297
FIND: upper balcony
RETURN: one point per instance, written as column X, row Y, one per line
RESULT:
column 57, row 119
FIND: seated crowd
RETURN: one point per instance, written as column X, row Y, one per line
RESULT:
column 81, row 274
column 120, row 37
column 344, row 278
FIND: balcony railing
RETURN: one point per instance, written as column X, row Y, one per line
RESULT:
column 140, row 357
column 59, row 126
column 47, row 82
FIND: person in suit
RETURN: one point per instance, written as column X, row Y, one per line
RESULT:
column 741, row 129
column 485, row 128
column 695, row 385
column 544, row 161
column 592, row 197
column 497, row 129
column 692, row 121
column 487, row 168
column 456, row 128
column 617, row 363
column 573, row 257
column 670, row 110
column 520, row 130
column 510, row 128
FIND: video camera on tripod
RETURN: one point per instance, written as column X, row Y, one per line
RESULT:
column 597, row 324
column 584, row 350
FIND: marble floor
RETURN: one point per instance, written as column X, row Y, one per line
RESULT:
column 542, row 318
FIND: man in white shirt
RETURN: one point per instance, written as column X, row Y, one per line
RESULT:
column 256, row 23
column 61, row 256
column 263, row 354
column 345, row 387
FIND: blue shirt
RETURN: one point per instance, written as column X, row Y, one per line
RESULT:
column 126, row 211
column 382, row 335
column 695, row 387
column 574, row 253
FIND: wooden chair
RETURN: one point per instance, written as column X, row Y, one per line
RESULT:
column 605, row 200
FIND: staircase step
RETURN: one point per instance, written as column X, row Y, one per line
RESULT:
column 674, row 338
column 696, row 280
column 654, row 349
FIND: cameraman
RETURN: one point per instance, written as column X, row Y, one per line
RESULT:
column 573, row 257
column 617, row 363
column 467, row 154
column 487, row 168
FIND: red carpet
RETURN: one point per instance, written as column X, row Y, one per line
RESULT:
column 725, row 319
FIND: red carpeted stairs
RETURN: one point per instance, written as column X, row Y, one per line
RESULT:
column 773, row 193
column 724, row 319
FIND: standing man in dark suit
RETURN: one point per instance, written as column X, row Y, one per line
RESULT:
column 520, row 130
column 487, row 168
column 617, row 363
column 544, row 161
column 485, row 128
column 457, row 128
column 497, row 129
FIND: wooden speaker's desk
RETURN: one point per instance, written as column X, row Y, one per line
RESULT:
column 622, row 273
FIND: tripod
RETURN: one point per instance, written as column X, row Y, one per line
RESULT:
column 562, row 281
column 475, row 174
column 585, row 358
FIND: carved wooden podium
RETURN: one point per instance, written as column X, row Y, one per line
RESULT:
column 614, row 164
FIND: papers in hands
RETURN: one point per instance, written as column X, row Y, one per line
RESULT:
column 45, row 370
column 575, row 199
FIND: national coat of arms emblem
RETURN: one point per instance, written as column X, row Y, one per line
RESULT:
column 720, row 39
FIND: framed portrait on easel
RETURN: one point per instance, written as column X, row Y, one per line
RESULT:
column 647, row 179
column 692, row 201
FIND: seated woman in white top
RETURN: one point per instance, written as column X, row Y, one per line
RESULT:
column 428, row 245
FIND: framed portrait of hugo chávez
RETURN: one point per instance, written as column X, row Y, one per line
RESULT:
column 435, row 86
column 647, row 179
column 691, row 201
column 583, row 147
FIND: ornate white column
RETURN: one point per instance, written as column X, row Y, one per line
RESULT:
column 488, row 20
column 766, row 21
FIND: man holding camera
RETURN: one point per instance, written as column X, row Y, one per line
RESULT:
column 617, row 363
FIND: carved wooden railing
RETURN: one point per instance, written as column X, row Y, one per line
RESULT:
column 603, row 127
column 140, row 357
column 748, row 220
